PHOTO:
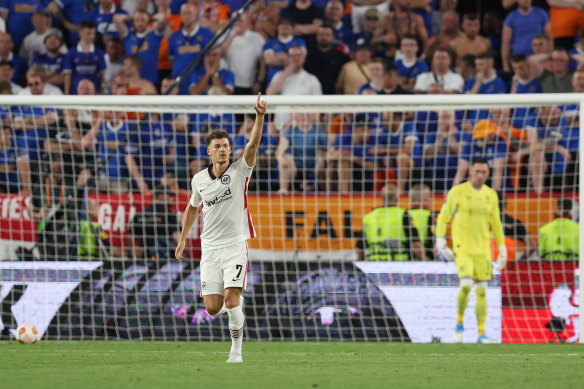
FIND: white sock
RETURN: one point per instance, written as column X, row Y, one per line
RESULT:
column 236, row 322
column 221, row 311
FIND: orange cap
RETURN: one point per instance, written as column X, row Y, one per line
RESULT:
column 485, row 128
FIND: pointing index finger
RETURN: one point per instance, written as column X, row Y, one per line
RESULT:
column 259, row 96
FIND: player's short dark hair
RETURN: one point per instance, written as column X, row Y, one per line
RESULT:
column 136, row 61
column 518, row 58
column 541, row 36
column 327, row 26
column 479, row 160
column 117, row 39
column 217, row 134
column 485, row 55
column 469, row 60
column 409, row 36
column 564, row 205
column 470, row 16
column 86, row 24
column 390, row 68
column 7, row 63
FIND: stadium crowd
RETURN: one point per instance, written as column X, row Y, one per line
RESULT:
column 290, row 47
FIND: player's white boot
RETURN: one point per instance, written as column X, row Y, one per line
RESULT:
column 458, row 331
column 234, row 358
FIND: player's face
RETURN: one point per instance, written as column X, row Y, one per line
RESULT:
column 409, row 47
column 325, row 37
column 52, row 43
column 188, row 14
column 334, row 11
column 521, row 69
column 441, row 61
column 376, row 70
column 539, row 46
column 219, row 150
column 471, row 28
column 578, row 82
column 36, row 85
column 560, row 61
column 6, row 73
column 285, row 29
column 87, row 35
column 479, row 172
column 140, row 22
column 85, row 87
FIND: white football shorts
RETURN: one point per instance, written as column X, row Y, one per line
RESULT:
column 224, row 268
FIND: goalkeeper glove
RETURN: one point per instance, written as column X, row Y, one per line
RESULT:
column 443, row 252
column 502, row 258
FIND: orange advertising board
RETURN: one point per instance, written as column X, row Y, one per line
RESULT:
column 321, row 222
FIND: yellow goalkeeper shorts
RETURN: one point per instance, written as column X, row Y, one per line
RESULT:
column 479, row 267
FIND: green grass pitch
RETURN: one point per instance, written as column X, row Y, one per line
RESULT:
column 166, row 365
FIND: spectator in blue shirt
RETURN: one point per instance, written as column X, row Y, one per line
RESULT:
column 102, row 16
column 17, row 14
column 442, row 149
column 400, row 145
column 8, row 167
column 485, row 81
column 141, row 42
column 213, row 80
column 334, row 13
column 150, row 149
column 30, row 136
column 111, row 151
column 52, row 60
column 6, row 54
column 184, row 45
column 84, row 60
column 349, row 160
column 276, row 50
column 301, row 153
column 522, row 82
column 70, row 13
column 520, row 26
column 487, row 143
column 409, row 67
column 559, row 142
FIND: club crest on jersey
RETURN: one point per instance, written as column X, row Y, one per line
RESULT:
column 225, row 179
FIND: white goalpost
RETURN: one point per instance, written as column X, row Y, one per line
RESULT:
column 102, row 250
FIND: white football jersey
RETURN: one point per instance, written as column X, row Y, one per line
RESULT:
column 223, row 200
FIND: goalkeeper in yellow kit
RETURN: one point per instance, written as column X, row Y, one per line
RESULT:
column 473, row 208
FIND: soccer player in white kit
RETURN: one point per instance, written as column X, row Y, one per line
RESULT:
column 221, row 192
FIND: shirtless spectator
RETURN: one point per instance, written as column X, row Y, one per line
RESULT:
column 471, row 42
column 402, row 21
column 136, row 84
column 440, row 13
column 447, row 33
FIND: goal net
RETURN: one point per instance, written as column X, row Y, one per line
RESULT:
column 94, row 187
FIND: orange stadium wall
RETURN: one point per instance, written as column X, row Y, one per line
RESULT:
column 283, row 223
column 319, row 222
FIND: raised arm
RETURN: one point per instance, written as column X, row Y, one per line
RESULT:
column 251, row 149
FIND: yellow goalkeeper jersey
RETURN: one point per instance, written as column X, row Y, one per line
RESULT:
column 475, row 217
